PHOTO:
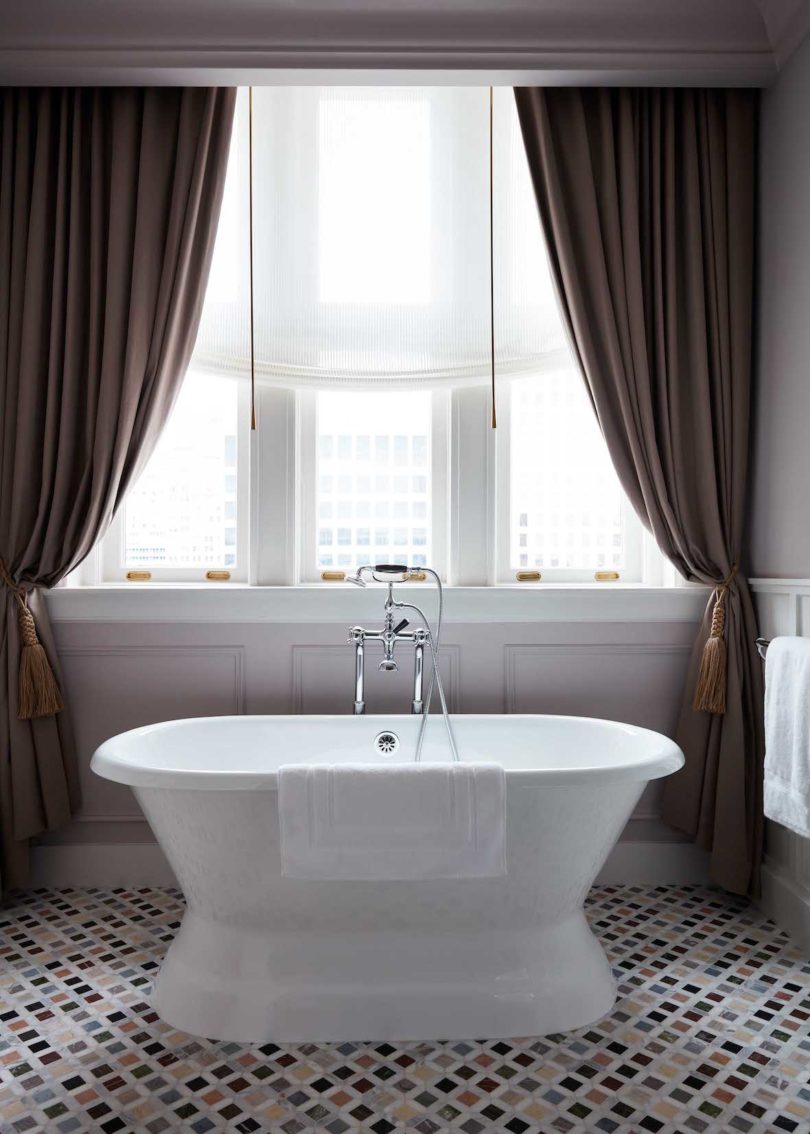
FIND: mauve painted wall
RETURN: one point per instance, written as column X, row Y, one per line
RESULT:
column 780, row 490
column 780, row 496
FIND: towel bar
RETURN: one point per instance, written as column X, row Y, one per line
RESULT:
column 762, row 647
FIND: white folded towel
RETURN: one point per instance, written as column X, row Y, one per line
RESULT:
column 787, row 733
column 398, row 821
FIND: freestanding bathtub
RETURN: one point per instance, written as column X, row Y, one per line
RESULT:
column 262, row 957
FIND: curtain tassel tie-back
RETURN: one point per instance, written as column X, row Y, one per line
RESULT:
column 710, row 691
column 39, row 694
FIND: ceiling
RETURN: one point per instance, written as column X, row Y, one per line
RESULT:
column 688, row 42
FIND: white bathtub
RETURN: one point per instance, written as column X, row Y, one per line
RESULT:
column 261, row 957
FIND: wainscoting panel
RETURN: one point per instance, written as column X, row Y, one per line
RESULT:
column 127, row 673
column 594, row 678
column 637, row 682
column 114, row 688
column 323, row 679
column 783, row 607
column 777, row 610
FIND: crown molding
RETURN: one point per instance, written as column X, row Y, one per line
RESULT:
column 792, row 36
column 787, row 23
column 271, row 66
column 651, row 42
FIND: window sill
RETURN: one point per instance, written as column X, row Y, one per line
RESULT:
column 337, row 602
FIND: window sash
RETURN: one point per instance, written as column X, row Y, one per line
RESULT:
column 637, row 558
column 277, row 464
column 111, row 565
column 277, row 493
column 306, row 434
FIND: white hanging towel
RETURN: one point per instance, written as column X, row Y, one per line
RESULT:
column 787, row 733
column 392, row 822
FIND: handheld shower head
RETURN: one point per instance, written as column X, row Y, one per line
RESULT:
column 357, row 577
column 380, row 573
column 390, row 572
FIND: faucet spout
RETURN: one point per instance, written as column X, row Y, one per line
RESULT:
column 390, row 634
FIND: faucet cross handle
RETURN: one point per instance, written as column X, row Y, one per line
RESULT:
column 389, row 636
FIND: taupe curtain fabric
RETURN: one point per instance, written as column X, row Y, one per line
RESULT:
column 109, row 201
column 647, row 202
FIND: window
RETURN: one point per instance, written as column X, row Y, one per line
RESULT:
column 372, row 339
column 563, row 508
column 182, row 516
column 186, row 513
column 182, row 512
column 372, row 475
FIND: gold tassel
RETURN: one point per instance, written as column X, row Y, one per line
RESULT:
column 710, row 691
column 39, row 692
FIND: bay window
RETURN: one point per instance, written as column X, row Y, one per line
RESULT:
column 372, row 363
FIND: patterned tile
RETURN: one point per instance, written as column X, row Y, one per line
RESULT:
column 709, row 1034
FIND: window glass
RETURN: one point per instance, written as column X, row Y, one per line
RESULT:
column 362, row 439
column 565, row 507
column 182, row 510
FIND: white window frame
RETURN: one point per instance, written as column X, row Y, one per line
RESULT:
column 277, row 482
column 277, row 493
column 306, row 433
column 635, row 561
column 110, row 564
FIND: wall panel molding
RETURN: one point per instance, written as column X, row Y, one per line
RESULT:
column 516, row 657
column 115, row 681
column 122, row 674
column 783, row 607
column 325, row 673
column 136, row 652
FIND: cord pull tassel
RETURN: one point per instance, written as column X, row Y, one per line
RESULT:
column 39, row 692
column 710, row 691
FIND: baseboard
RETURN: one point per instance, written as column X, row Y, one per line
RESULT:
column 786, row 903
column 655, row 864
column 144, row 864
column 105, row 865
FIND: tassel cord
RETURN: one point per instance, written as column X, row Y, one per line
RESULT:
column 710, row 691
column 39, row 694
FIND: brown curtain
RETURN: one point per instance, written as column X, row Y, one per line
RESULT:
column 647, row 202
column 109, row 201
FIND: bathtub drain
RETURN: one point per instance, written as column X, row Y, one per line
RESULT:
column 386, row 743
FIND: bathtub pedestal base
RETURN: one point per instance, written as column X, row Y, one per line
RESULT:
column 249, row 985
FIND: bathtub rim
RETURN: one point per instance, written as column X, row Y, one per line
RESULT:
column 110, row 763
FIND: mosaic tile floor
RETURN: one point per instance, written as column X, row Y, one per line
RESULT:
column 711, row 1032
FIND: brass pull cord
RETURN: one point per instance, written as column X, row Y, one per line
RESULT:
column 250, row 262
column 492, row 254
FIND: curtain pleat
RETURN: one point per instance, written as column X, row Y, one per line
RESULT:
column 109, row 200
column 646, row 198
